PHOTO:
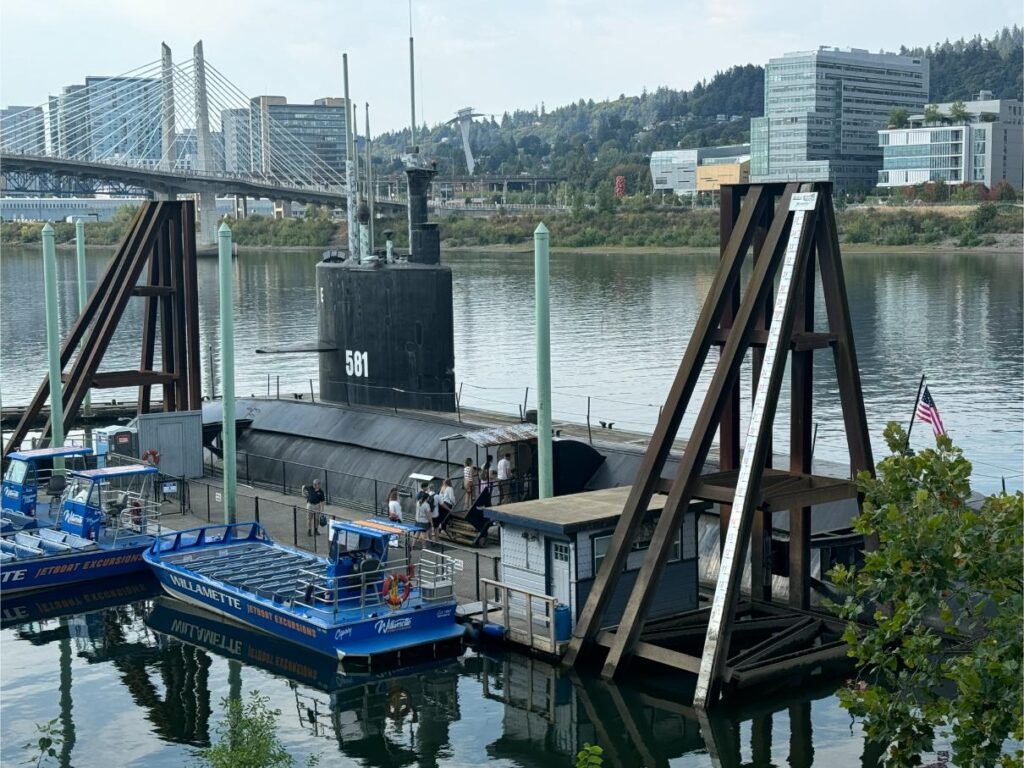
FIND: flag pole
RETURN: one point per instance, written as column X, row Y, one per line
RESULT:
column 913, row 414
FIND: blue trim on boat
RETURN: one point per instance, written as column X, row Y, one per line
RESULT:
column 239, row 572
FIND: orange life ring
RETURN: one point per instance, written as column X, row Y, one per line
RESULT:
column 151, row 456
column 396, row 590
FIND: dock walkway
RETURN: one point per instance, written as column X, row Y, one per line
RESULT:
column 284, row 518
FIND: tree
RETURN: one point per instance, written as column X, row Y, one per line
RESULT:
column 606, row 200
column 248, row 736
column 932, row 114
column 958, row 113
column 899, row 117
column 943, row 593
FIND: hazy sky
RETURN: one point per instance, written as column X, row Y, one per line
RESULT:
column 494, row 56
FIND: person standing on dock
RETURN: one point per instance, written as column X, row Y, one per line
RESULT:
column 445, row 503
column 314, row 507
column 394, row 506
column 504, row 478
column 469, row 483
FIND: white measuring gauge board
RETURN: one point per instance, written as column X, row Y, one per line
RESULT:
column 800, row 203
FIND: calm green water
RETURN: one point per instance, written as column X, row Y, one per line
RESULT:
column 141, row 684
column 619, row 328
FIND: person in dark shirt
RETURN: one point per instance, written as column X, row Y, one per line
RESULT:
column 314, row 507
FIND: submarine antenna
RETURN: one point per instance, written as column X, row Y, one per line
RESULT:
column 350, row 204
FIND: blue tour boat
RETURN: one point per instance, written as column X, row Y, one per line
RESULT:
column 107, row 520
column 367, row 598
column 32, row 489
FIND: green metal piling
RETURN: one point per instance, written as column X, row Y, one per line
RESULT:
column 227, row 372
column 541, row 269
column 53, row 341
column 83, row 291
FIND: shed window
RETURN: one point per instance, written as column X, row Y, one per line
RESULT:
column 642, row 543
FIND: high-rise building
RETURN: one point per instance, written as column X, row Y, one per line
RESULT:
column 238, row 150
column 299, row 140
column 114, row 119
column 124, row 119
column 22, row 130
column 983, row 148
column 823, row 110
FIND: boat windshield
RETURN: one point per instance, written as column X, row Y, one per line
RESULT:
column 81, row 492
column 18, row 472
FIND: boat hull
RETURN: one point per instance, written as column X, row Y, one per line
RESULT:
column 384, row 633
column 71, row 568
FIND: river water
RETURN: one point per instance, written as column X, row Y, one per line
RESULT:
column 619, row 328
column 133, row 680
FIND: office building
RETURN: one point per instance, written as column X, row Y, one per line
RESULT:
column 676, row 169
column 238, row 150
column 116, row 119
column 22, row 130
column 712, row 174
column 823, row 110
column 986, row 148
column 306, row 140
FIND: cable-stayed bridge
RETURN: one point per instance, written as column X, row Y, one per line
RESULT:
column 172, row 128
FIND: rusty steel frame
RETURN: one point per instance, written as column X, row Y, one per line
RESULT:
column 162, row 237
column 741, row 321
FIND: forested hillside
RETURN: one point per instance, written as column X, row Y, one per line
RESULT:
column 590, row 142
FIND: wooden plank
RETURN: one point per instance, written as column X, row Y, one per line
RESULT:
column 655, row 653
column 649, row 474
column 118, row 379
column 150, row 290
column 800, row 661
column 798, row 632
column 695, row 454
column 191, row 295
column 762, row 416
column 729, row 424
column 149, row 319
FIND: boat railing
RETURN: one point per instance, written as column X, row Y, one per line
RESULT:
column 437, row 575
column 195, row 538
column 374, row 587
column 134, row 514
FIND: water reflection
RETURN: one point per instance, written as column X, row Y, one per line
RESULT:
column 175, row 663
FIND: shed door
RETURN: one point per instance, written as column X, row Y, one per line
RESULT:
column 560, row 571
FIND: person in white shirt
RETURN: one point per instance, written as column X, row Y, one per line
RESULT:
column 469, row 483
column 445, row 502
column 505, row 478
column 394, row 507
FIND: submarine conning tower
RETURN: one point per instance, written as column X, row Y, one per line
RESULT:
column 385, row 329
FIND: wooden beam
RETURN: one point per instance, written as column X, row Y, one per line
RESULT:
column 655, row 653
column 802, row 342
column 649, row 473
column 151, row 290
column 149, row 319
column 695, row 454
column 118, row 379
column 191, row 294
column 729, row 423
column 837, row 306
column 730, row 574
column 74, row 338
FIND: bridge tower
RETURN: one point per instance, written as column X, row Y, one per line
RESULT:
column 204, row 163
column 167, row 153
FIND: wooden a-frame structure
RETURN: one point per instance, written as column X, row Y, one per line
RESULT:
column 784, row 226
column 162, row 238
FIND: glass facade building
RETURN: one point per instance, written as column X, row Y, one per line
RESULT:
column 823, row 110
column 22, row 130
column 299, row 140
column 984, row 149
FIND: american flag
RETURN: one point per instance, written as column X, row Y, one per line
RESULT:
column 927, row 412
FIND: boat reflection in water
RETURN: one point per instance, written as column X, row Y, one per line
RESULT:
column 403, row 715
column 481, row 707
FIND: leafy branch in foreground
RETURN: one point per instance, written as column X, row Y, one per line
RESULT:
column 935, row 611
column 247, row 736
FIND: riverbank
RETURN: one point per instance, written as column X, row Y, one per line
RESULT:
column 987, row 226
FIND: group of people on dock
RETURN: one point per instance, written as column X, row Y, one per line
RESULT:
column 488, row 485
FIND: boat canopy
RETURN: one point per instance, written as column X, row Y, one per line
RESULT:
column 49, row 453
column 104, row 473
column 375, row 529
